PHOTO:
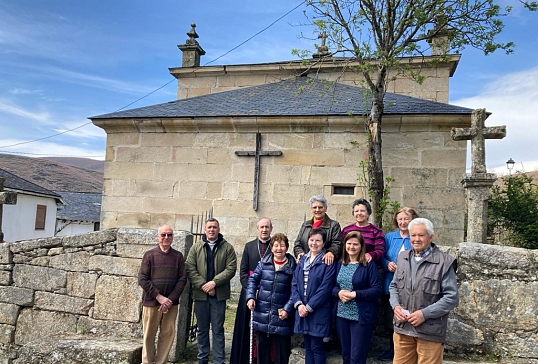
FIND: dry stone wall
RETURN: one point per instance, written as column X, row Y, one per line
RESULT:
column 84, row 287
column 75, row 288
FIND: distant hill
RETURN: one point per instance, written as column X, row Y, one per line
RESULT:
column 55, row 176
column 86, row 163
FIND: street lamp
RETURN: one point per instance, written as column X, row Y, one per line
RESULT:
column 510, row 165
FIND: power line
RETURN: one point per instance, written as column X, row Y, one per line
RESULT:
column 152, row 92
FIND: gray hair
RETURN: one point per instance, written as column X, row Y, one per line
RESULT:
column 422, row 221
column 318, row 198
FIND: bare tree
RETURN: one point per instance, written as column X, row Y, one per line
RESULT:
column 378, row 33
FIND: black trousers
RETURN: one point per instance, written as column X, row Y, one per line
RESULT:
column 280, row 343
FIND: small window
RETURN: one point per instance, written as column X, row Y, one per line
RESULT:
column 40, row 217
column 344, row 190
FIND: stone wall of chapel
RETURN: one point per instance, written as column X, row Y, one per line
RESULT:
column 205, row 80
column 156, row 177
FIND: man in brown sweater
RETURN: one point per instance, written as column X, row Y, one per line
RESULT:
column 162, row 277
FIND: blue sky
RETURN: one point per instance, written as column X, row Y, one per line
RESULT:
column 62, row 61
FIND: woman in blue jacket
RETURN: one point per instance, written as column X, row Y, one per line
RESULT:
column 395, row 242
column 272, row 305
column 313, row 281
column 357, row 289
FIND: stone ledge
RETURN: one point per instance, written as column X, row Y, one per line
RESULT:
column 81, row 349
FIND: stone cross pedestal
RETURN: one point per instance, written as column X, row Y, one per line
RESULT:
column 6, row 198
column 478, row 183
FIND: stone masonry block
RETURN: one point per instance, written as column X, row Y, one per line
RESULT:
column 283, row 174
column 7, row 334
column 243, row 170
column 117, row 139
column 124, row 170
column 6, row 256
column 5, row 278
column 81, row 284
column 329, row 157
column 143, row 155
column 39, row 278
column 88, row 239
column 152, row 188
column 122, row 329
column 288, row 193
column 122, row 204
column 35, row 325
column 17, row 296
column 191, row 156
column 443, row 158
column 62, row 303
column 134, row 219
column 181, row 140
column 115, row 265
column 428, row 177
column 117, row 298
column 198, row 189
column 8, row 313
column 75, row 262
column 211, row 140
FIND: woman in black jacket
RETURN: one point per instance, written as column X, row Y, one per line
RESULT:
column 273, row 315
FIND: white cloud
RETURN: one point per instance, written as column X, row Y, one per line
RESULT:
column 512, row 100
column 8, row 107
column 38, row 149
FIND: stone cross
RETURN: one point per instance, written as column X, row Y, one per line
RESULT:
column 477, row 134
column 478, row 183
column 323, row 50
column 257, row 154
column 6, row 198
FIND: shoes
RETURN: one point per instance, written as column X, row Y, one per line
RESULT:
column 388, row 355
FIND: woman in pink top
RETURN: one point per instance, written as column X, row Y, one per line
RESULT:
column 373, row 236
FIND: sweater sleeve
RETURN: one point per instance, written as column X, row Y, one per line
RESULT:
column 181, row 281
column 144, row 276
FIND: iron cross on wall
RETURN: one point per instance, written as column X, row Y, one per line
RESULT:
column 257, row 154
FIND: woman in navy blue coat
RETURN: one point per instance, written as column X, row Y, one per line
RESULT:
column 357, row 289
column 313, row 282
column 272, row 305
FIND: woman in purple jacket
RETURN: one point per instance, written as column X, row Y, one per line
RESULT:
column 313, row 281
column 357, row 289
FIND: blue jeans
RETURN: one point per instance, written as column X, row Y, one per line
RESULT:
column 314, row 350
column 210, row 312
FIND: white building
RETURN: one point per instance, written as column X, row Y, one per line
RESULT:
column 34, row 215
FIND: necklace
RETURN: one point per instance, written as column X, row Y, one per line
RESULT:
column 280, row 263
column 259, row 251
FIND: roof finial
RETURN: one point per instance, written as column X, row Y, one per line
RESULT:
column 323, row 50
column 191, row 49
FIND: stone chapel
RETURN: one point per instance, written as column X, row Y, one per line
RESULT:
column 258, row 140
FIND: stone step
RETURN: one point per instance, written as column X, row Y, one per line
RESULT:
column 81, row 349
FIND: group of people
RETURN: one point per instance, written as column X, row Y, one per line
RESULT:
column 332, row 278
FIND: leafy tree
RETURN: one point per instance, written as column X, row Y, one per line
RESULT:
column 377, row 33
column 513, row 207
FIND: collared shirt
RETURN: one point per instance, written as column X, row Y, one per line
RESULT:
column 423, row 254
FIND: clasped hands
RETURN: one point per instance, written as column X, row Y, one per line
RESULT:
column 209, row 288
column 345, row 295
column 415, row 318
column 165, row 302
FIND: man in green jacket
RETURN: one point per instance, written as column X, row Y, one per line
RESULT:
column 210, row 265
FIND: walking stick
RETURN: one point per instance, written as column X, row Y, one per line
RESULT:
column 251, row 337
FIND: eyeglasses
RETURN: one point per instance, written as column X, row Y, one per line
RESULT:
column 168, row 235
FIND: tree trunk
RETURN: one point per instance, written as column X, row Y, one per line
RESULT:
column 375, row 161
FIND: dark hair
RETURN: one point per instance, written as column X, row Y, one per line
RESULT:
column 279, row 237
column 362, row 201
column 362, row 253
column 408, row 210
column 320, row 232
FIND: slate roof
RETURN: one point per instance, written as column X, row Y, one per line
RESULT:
column 301, row 96
column 15, row 182
column 80, row 206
